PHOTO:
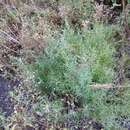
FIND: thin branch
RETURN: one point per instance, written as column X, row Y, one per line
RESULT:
column 5, row 34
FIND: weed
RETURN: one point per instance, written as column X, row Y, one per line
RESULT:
column 72, row 62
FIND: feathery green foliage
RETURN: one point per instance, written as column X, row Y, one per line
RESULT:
column 73, row 61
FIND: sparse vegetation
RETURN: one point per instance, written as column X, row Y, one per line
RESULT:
column 53, row 52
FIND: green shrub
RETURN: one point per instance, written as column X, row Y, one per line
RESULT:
column 58, row 72
column 96, row 48
column 71, row 62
